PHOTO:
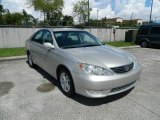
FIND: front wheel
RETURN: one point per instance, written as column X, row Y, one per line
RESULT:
column 66, row 83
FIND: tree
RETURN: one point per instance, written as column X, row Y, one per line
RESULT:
column 17, row 18
column 80, row 9
column 1, row 8
column 13, row 18
column 2, row 12
column 55, row 18
column 27, row 18
column 51, row 9
column 67, row 20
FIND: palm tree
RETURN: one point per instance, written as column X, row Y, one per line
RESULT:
column 3, row 11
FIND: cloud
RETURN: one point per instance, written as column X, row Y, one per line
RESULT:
column 68, row 6
column 105, row 12
column 107, row 8
column 136, row 7
column 101, row 4
column 139, row 9
column 16, row 5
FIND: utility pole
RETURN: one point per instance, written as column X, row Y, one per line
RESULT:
column 132, row 16
column 97, row 17
column 88, row 14
column 132, row 19
column 150, row 19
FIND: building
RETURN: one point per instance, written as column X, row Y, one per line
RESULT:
column 139, row 21
column 116, row 20
column 120, row 20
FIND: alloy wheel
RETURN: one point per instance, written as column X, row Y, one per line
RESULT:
column 65, row 82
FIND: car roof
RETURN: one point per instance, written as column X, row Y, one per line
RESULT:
column 62, row 29
column 149, row 25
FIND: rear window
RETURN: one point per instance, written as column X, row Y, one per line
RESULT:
column 155, row 30
column 144, row 31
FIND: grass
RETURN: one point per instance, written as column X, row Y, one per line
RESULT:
column 8, row 52
column 120, row 44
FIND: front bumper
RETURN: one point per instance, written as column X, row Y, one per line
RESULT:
column 102, row 86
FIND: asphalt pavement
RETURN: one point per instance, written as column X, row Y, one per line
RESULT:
column 32, row 94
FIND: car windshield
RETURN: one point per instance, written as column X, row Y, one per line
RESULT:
column 75, row 39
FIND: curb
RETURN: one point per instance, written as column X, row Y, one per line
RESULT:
column 13, row 58
column 129, row 47
column 25, row 57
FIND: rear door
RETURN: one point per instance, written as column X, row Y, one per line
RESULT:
column 155, row 35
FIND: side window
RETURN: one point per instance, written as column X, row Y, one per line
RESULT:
column 47, row 37
column 155, row 30
column 144, row 31
column 38, row 37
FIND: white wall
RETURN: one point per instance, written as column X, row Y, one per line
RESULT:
column 15, row 37
column 107, row 34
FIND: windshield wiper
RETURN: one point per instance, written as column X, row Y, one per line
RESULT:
column 89, row 45
column 65, row 47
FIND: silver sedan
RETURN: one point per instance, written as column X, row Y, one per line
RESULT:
column 81, row 63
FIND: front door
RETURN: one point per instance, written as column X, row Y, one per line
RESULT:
column 36, row 47
column 48, row 55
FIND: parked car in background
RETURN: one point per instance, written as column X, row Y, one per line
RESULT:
column 81, row 63
column 148, row 35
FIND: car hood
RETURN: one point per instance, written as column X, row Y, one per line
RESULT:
column 102, row 56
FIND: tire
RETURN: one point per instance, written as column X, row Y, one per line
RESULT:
column 30, row 61
column 144, row 44
column 66, row 83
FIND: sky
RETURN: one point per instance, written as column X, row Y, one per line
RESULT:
column 106, row 8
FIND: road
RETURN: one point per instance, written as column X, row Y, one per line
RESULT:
column 32, row 94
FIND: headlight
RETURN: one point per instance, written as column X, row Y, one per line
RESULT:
column 95, row 70
column 135, row 61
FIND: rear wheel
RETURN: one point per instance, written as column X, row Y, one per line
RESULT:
column 30, row 61
column 144, row 44
column 66, row 83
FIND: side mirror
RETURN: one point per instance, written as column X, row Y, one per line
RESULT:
column 48, row 45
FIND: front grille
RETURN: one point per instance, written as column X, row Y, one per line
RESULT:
column 123, row 69
column 122, row 87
